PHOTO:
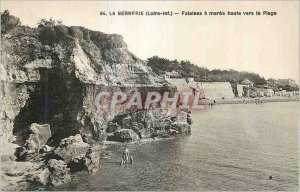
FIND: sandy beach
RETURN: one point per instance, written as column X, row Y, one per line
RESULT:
column 254, row 100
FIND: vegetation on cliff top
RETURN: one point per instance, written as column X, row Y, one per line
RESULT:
column 187, row 69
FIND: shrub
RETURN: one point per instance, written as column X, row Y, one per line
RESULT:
column 8, row 22
column 48, row 23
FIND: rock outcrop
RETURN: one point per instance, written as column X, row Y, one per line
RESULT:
column 55, row 173
column 123, row 135
column 71, row 147
column 37, row 139
column 49, row 77
column 18, row 175
column 87, row 162
column 58, row 172
column 78, row 155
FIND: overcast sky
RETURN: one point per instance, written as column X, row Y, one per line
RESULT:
column 268, row 45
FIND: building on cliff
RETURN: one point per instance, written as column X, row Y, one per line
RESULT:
column 172, row 74
column 265, row 92
column 247, row 83
column 216, row 90
column 209, row 90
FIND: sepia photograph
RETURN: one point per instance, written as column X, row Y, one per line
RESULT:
column 149, row 95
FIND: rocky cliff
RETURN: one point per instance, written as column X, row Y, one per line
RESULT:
column 49, row 77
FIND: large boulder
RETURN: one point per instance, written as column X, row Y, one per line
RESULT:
column 55, row 173
column 18, row 175
column 123, row 135
column 183, row 128
column 40, row 176
column 112, row 127
column 13, row 175
column 92, row 159
column 38, row 137
column 88, row 162
column 71, row 147
column 145, row 133
column 138, row 129
column 59, row 172
column 163, row 124
column 126, row 122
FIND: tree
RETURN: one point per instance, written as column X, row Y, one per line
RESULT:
column 188, row 69
column 47, row 23
column 8, row 22
column 5, row 16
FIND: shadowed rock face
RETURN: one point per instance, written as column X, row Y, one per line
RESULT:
column 59, row 70
column 50, row 75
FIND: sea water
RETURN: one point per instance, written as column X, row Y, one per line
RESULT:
column 231, row 147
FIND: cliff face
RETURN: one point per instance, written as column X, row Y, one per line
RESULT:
column 50, row 75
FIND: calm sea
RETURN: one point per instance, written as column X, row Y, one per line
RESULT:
column 232, row 147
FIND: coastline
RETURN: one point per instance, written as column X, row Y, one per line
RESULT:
column 255, row 100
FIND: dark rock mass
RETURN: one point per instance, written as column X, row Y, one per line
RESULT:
column 123, row 135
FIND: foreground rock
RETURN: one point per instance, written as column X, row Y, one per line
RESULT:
column 55, row 173
column 54, row 167
column 13, row 175
column 78, row 155
column 18, row 175
column 88, row 162
column 59, row 173
column 39, row 136
column 184, row 128
column 37, row 139
column 71, row 147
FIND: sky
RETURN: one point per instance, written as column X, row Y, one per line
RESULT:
column 268, row 45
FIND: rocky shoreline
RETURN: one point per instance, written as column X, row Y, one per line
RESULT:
column 39, row 164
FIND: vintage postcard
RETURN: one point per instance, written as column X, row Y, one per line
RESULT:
column 149, row 95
